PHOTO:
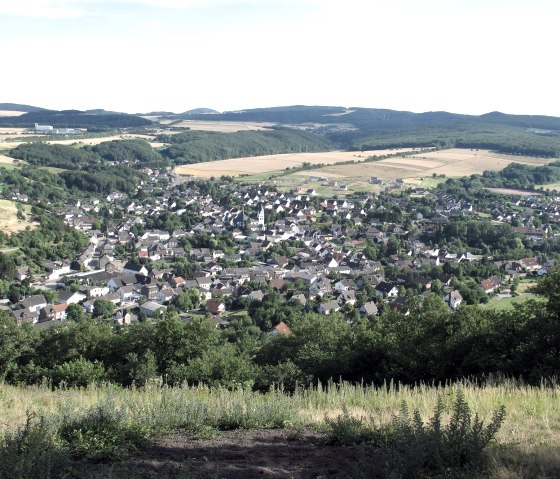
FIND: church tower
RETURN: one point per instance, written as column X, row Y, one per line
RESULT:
column 260, row 218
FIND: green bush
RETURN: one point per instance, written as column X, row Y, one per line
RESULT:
column 414, row 448
column 32, row 451
column 102, row 434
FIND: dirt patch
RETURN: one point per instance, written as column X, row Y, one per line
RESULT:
column 245, row 455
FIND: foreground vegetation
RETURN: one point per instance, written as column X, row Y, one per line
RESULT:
column 49, row 432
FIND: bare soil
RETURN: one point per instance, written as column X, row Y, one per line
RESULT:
column 241, row 454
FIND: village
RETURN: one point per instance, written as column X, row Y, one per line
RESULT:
column 237, row 243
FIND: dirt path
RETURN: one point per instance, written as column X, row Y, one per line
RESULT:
column 245, row 455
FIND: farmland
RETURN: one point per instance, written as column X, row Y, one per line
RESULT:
column 9, row 223
column 221, row 126
column 453, row 162
column 256, row 165
column 425, row 169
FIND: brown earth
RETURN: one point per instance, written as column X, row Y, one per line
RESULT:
column 241, row 454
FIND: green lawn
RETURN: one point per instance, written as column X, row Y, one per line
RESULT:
column 499, row 304
column 552, row 186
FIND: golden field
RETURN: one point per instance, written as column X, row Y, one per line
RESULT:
column 221, row 126
column 274, row 163
column 9, row 223
column 452, row 162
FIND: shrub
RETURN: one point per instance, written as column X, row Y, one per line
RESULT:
column 32, row 451
column 413, row 447
column 102, row 434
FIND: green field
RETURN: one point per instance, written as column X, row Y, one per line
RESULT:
column 500, row 304
column 524, row 294
column 552, row 186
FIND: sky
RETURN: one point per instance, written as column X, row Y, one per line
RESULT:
column 462, row 56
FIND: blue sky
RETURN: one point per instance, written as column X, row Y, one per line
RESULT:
column 467, row 56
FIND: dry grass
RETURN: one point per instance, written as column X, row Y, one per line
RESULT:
column 511, row 191
column 528, row 441
column 6, row 160
column 11, row 113
column 223, row 126
column 272, row 163
column 9, row 222
column 415, row 169
column 453, row 162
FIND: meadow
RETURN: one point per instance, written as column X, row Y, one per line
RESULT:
column 526, row 446
column 9, row 221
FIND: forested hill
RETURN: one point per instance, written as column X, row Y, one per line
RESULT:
column 74, row 119
column 362, row 128
column 18, row 107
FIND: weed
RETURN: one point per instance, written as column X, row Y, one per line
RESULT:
column 32, row 451
column 102, row 434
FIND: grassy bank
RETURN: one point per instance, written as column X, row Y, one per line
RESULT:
column 526, row 446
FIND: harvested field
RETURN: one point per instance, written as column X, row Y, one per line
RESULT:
column 12, row 133
column 509, row 191
column 453, row 162
column 275, row 163
column 11, row 113
column 223, row 126
column 9, row 222
column 6, row 160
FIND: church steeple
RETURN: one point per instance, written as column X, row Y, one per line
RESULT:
column 260, row 218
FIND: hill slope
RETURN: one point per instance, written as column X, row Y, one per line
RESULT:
column 18, row 107
column 363, row 128
column 75, row 119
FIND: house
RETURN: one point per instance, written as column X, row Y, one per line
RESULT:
column 454, row 299
column 215, row 307
column 178, row 282
column 126, row 293
column 22, row 272
column 34, row 303
column 257, row 295
column 386, row 289
column 345, row 285
column 53, row 312
column 112, row 297
column 164, row 295
column 328, row 307
column 135, row 268
column 281, row 328
column 300, row 298
column 152, row 309
column 346, row 297
column 149, row 290
column 369, row 309
column 122, row 317
column 24, row 315
column 55, row 269
column 68, row 297
column 94, row 291
column 490, row 284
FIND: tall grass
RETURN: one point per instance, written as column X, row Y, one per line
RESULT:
column 531, row 428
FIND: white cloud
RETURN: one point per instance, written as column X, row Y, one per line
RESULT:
column 42, row 9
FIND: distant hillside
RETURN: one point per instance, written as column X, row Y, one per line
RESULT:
column 200, row 111
column 18, row 107
column 75, row 119
column 362, row 128
column 198, row 146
